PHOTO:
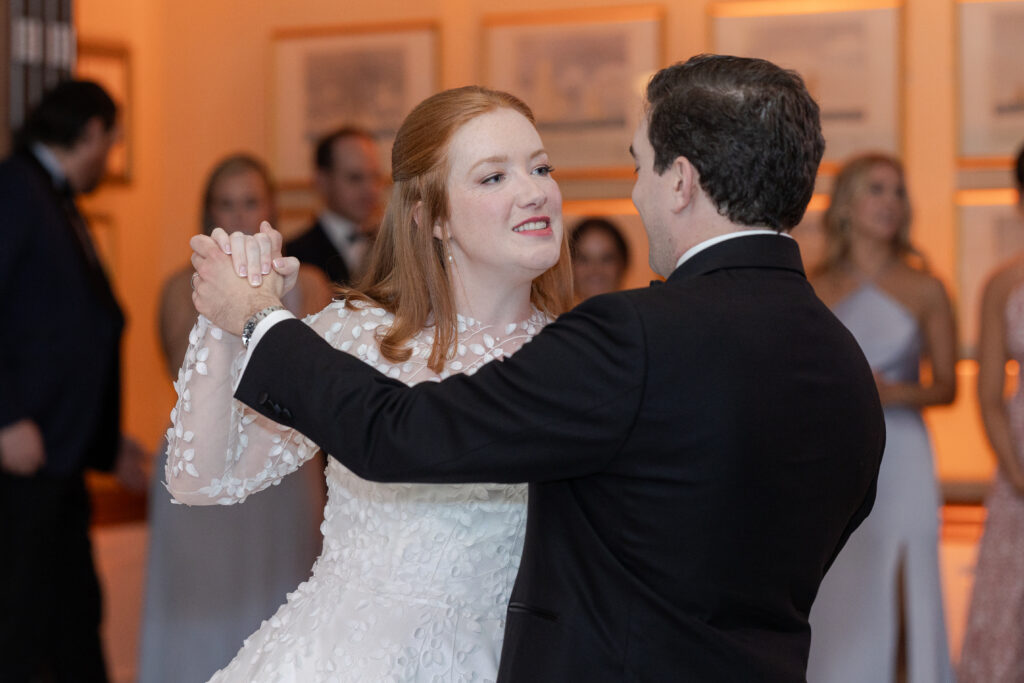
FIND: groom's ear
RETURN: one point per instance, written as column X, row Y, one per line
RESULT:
column 684, row 182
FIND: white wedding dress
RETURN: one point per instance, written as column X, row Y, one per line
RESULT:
column 414, row 579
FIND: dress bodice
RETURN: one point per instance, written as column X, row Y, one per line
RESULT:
column 432, row 541
column 886, row 330
column 437, row 542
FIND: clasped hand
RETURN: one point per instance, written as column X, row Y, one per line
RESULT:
column 239, row 274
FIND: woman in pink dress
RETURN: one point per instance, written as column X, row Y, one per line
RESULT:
column 993, row 650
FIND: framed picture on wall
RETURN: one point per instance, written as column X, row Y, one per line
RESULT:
column 990, row 230
column 369, row 76
column 991, row 36
column 583, row 72
column 848, row 52
column 109, row 64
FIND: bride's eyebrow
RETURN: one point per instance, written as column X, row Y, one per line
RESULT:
column 497, row 159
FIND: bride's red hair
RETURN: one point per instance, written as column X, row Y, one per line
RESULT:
column 407, row 273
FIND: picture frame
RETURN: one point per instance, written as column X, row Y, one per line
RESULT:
column 365, row 75
column 848, row 53
column 991, row 82
column 110, row 65
column 990, row 230
column 583, row 73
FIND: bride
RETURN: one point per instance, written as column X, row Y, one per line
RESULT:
column 470, row 262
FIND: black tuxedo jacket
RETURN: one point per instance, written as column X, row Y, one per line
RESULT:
column 698, row 453
column 314, row 248
column 60, row 333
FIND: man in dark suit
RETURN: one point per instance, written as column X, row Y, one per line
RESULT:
column 60, row 373
column 697, row 452
column 348, row 181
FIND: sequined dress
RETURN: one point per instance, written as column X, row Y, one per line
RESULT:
column 414, row 580
column 993, row 650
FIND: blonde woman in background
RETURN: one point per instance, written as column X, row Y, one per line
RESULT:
column 214, row 575
column 881, row 602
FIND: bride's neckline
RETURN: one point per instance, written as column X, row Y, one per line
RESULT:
column 470, row 324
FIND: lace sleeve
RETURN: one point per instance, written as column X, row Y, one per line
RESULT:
column 219, row 451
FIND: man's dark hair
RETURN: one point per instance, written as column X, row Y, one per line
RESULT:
column 1019, row 171
column 61, row 116
column 323, row 157
column 749, row 127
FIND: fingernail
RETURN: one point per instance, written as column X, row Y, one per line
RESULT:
column 279, row 263
column 226, row 248
column 266, row 268
column 255, row 279
column 241, row 271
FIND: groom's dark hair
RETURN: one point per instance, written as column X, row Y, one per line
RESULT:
column 749, row 127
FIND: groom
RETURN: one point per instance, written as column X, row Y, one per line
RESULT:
column 698, row 451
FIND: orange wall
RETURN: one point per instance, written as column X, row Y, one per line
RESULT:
column 201, row 86
column 135, row 210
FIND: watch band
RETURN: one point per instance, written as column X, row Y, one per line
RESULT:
column 250, row 324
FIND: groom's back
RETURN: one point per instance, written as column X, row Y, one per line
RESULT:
column 697, row 553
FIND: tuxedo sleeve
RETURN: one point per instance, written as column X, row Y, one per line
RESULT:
column 15, row 230
column 561, row 407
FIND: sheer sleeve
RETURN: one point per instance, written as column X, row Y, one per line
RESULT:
column 219, row 450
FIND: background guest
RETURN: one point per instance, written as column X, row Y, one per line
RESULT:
column 349, row 183
column 214, row 575
column 993, row 650
column 885, row 582
column 600, row 256
column 60, row 346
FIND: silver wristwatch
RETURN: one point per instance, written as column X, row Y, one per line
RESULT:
column 250, row 324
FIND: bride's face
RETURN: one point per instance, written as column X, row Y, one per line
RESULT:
column 505, row 209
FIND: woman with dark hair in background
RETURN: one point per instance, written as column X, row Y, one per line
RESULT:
column 469, row 263
column 882, row 599
column 214, row 575
column 600, row 257
column 993, row 650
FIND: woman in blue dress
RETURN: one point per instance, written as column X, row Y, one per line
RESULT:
column 881, row 602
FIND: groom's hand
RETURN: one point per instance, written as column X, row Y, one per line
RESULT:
column 224, row 297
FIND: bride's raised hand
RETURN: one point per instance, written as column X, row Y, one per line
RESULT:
column 223, row 297
column 253, row 255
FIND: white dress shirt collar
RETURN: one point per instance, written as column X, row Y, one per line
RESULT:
column 45, row 156
column 339, row 231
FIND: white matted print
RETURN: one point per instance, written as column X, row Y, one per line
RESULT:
column 582, row 73
column 847, row 51
column 991, row 78
column 366, row 76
